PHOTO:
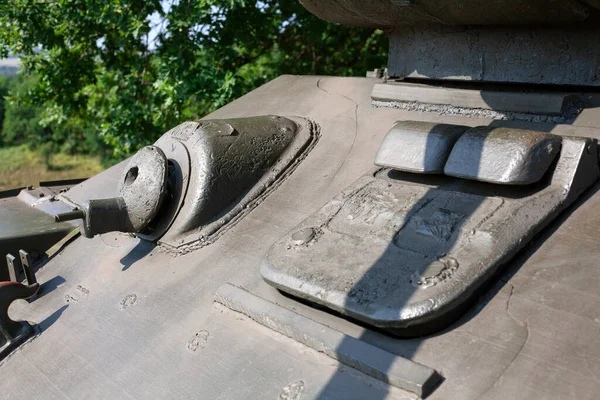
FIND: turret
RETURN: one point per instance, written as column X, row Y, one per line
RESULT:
column 539, row 42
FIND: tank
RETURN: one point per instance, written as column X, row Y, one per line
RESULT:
column 425, row 231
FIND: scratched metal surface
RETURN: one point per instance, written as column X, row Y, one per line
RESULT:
column 121, row 319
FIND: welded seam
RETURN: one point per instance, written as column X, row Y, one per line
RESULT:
column 512, row 361
column 355, row 127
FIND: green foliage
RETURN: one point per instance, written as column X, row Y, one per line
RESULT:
column 21, row 166
column 102, row 75
column 21, row 122
column 13, row 158
column 4, row 81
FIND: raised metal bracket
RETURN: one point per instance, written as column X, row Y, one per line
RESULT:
column 12, row 268
column 27, row 267
column 25, row 262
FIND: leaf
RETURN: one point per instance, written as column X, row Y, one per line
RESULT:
column 102, row 81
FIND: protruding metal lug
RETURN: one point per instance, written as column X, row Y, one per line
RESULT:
column 27, row 267
column 11, row 263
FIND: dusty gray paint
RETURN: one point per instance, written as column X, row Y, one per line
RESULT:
column 501, row 41
column 26, row 223
column 572, row 111
column 143, row 186
column 387, row 14
column 234, row 164
column 408, row 256
column 416, row 146
column 362, row 356
column 507, row 99
column 228, row 157
column 14, row 333
column 209, row 174
column 503, row 155
column 178, row 176
column 533, row 335
column 559, row 56
column 141, row 190
column 101, row 216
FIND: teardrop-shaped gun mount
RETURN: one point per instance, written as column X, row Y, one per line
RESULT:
column 198, row 180
column 14, row 333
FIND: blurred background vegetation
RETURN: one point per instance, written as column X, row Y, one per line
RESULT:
column 100, row 79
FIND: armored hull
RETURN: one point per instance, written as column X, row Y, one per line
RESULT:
column 118, row 316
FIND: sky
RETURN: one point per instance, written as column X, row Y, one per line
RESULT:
column 157, row 22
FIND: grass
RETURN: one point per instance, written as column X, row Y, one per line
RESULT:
column 22, row 166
